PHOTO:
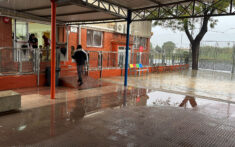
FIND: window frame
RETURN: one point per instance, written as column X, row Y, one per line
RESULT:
column 102, row 36
column 123, row 51
column 135, row 43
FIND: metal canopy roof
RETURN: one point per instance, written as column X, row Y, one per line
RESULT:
column 73, row 10
column 138, row 4
column 80, row 11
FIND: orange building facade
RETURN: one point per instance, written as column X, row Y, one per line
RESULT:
column 104, row 43
column 96, row 40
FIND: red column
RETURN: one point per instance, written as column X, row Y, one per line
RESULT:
column 53, row 46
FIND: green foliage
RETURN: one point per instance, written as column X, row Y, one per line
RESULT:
column 151, row 46
column 205, row 9
column 158, row 49
column 168, row 47
column 220, row 6
column 219, row 54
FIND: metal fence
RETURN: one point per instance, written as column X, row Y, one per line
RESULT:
column 217, row 55
column 172, row 59
column 98, row 60
column 27, row 61
column 18, row 61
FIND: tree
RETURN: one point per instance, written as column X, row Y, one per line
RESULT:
column 152, row 49
column 151, row 46
column 168, row 47
column 158, row 49
column 188, row 24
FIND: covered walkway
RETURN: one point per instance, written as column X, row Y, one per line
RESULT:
column 112, row 115
column 192, row 110
column 70, row 12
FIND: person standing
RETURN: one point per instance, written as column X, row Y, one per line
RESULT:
column 33, row 41
column 80, row 57
column 46, row 44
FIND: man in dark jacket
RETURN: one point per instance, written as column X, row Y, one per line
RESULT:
column 80, row 56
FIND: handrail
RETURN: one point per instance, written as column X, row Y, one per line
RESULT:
column 22, row 48
column 100, row 60
column 88, row 51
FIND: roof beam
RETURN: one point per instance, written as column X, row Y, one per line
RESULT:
column 74, row 13
column 91, row 20
column 43, row 8
column 171, row 10
column 97, row 22
column 115, row 4
column 21, row 15
column 162, row 5
column 154, row 1
column 99, row 5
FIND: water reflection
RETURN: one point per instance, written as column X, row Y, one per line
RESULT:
column 189, row 99
column 210, row 74
column 75, row 110
column 194, row 73
column 215, row 108
column 232, row 76
column 57, row 119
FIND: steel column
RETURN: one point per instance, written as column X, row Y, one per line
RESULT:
column 127, row 45
column 67, row 42
column 53, row 46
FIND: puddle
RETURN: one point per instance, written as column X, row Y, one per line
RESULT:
column 201, row 83
column 58, row 119
column 210, row 107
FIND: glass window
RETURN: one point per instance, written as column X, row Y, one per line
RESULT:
column 121, row 48
column 122, row 56
column 89, row 37
column 97, row 38
column 21, row 31
column 94, row 38
column 39, row 30
column 140, row 41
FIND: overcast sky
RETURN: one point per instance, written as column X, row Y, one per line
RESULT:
column 223, row 31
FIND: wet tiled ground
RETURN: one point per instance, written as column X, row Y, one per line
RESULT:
column 111, row 115
column 88, row 82
column 202, row 83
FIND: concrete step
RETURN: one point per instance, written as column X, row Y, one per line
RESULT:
column 71, row 81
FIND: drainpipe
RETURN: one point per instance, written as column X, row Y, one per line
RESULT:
column 80, row 35
column 67, row 41
column 127, row 45
column 15, row 35
column 53, row 47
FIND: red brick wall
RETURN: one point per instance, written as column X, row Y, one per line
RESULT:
column 111, row 42
column 73, row 41
column 7, row 63
column 44, row 65
column 107, row 39
column 6, row 56
column 20, row 81
column 61, row 33
column 5, row 33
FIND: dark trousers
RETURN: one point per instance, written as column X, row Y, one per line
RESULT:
column 79, row 71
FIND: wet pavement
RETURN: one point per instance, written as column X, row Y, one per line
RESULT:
column 89, row 82
column 202, row 83
column 118, row 116
column 111, row 115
